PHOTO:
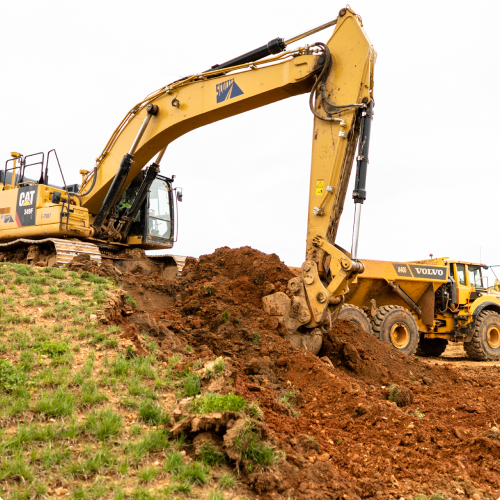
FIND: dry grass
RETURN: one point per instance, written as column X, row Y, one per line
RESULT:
column 80, row 415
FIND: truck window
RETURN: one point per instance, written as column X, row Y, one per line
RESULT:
column 461, row 274
column 451, row 275
column 475, row 274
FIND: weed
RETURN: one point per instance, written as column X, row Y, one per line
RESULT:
column 131, row 301
column 212, row 402
column 26, row 361
column 53, row 289
column 15, row 467
column 254, row 410
column 207, row 290
column 216, row 495
column 189, row 348
column 90, row 395
column 53, row 348
column 120, row 366
column 137, row 388
column 11, row 376
column 210, row 455
column 255, row 338
column 417, row 413
column 287, row 398
column 36, row 290
column 55, row 273
column 393, row 394
column 248, row 444
column 174, row 463
column 143, row 367
column 92, row 278
column 194, row 473
column 147, row 474
column 339, row 441
column 219, row 365
column 224, row 317
column 227, row 480
column 191, row 385
column 152, row 413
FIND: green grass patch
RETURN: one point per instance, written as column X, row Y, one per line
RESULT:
column 11, row 376
column 213, row 402
column 103, row 424
column 152, row 413
column 59, row 403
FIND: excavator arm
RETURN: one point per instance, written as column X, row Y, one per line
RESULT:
column 337, row 75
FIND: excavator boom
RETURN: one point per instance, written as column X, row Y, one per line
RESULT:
column 337, row 75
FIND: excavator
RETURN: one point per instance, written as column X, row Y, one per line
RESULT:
column 123, row 206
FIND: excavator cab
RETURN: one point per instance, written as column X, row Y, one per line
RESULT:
column 154, row 224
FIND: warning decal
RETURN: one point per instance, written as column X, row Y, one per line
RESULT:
column 319, row 186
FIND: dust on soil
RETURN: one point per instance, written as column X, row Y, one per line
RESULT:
column 330, row 414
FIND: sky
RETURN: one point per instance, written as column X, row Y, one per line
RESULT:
column 71, row 71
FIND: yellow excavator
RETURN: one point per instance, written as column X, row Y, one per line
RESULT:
column 121, row 206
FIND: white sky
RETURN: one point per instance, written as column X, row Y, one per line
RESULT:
column 72, row 70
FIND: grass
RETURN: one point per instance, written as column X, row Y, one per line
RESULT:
column 227, row 481
column 191, row 385
column 248, row 444
column 11, row 377
column 211, row 455
column 59, row 403
column 103, row 424
column 152, row 413
column 213, row 402
column 91, row 410
column 216, row 495
column 255, row 338
column 393, row 394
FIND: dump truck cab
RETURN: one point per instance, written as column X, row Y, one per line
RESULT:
column 420, row 306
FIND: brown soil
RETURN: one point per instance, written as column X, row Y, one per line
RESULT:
column 342, row 437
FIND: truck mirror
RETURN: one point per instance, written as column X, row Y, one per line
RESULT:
column 179, row 196
column 56, row 197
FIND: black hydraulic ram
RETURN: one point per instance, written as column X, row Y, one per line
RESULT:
column 121, row 176
column 129, row 217
column 273, row 47
column 359, row 193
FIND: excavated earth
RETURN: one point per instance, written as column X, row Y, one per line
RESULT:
column 330, row 414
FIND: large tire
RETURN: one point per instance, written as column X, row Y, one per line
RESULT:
column 430, row 347
column 396, row 325
column 485, row 342
column 355, row 315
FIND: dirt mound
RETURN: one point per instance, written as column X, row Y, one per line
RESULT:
column 336, row 416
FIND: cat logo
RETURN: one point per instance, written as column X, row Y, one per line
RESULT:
column 26, row 198
column 26, row 206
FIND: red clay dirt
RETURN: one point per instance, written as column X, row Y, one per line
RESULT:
column 342, row 437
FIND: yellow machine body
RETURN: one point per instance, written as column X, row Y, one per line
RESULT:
column 420, row 281
column 346, row 90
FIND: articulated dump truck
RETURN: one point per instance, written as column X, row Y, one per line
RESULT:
column 420, row 306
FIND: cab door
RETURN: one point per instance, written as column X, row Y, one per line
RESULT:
column 463, row 287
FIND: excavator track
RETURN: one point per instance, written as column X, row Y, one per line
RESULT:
column 65, row 249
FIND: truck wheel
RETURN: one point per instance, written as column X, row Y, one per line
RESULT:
column 356, row 315
column 430, row 347
column 396, row 325
column 485, row 342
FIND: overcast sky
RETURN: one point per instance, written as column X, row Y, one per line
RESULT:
column 71, row 71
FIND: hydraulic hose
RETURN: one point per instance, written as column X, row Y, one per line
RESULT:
column 94, row 178
column 322, row 80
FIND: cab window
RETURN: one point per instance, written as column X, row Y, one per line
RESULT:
column 159, row 210
column 461, row 274
column 475, row 277
column 452, row 274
